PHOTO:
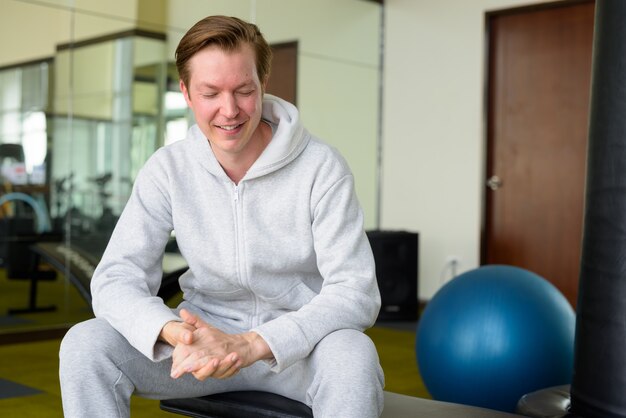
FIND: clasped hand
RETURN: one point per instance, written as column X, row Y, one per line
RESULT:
column 205, row 351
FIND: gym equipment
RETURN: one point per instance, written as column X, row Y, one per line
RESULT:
column 11, row 152
column 69, row 217
column 41, row 213
column 239, row 404
column 22, row 264
column 395, row 253
column 266, row 405
column 546, row 403
column 107, row 219
column 599, row 382
column 19, row 234
column 78, row 262
column 599, row 378
column 493, row 334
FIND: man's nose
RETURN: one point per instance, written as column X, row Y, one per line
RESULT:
column 230, row 109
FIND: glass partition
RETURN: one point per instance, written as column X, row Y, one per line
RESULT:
column 74, row 132
column 91, row 91
column 115, row 124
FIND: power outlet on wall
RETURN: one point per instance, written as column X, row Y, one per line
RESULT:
column 452, row 264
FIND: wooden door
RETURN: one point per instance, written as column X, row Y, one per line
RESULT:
column 538, row 109
column 284, row 74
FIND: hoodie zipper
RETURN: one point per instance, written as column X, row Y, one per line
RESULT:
column 240, row 252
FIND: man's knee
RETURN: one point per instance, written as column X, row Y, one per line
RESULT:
column 85, row 340
column 349, row 343
column 347, row 366
column 351, row 354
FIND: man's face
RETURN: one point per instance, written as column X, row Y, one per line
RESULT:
column 225, row 95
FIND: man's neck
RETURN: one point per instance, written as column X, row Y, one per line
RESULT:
column 237, row 165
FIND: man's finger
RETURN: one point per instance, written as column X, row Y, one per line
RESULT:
column 188, row 317
column 183, row 332
column 185, row 336
column 193, row 320
column 191, row 364
column 207, row 371
column 228, row 367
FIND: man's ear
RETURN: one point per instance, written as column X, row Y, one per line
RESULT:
column 264, row 84
column 185, row 92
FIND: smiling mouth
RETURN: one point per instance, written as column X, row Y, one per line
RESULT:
column 229, row 127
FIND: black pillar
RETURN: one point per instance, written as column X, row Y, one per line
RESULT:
column 599, row 382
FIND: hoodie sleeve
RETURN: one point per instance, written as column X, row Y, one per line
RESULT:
column 128, row 277
column 349, row 298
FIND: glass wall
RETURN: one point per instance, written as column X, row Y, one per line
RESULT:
column 74, row 132
column 90, row 92
column 107, row 123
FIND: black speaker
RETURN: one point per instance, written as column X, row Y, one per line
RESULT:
column 396, row 256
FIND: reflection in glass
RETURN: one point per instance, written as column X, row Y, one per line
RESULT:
column 72, row 141
column 177, row 116
column 34, row 141
column 23, row 106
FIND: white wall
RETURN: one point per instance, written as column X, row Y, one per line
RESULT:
column 433, row 135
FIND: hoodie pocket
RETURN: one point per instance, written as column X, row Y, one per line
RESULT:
column 292, row 299
column 210, row 286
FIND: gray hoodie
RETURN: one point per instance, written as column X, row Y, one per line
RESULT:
column 283, row 253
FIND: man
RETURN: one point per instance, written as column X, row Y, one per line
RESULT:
column 281, row 278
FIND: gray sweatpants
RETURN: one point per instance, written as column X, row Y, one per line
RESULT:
column 99, row 370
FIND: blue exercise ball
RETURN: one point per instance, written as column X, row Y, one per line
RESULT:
column 493, row 334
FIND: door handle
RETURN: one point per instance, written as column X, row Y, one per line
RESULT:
column 494, row 182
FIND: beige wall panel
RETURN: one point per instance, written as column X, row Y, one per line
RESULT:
column 152, row 15
column 338, row 106
column 124, row 10
column 148, row 51
column 346, row 30
column 91, row 91
column 145, row 98
column 88, row 27
column 30, row 32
